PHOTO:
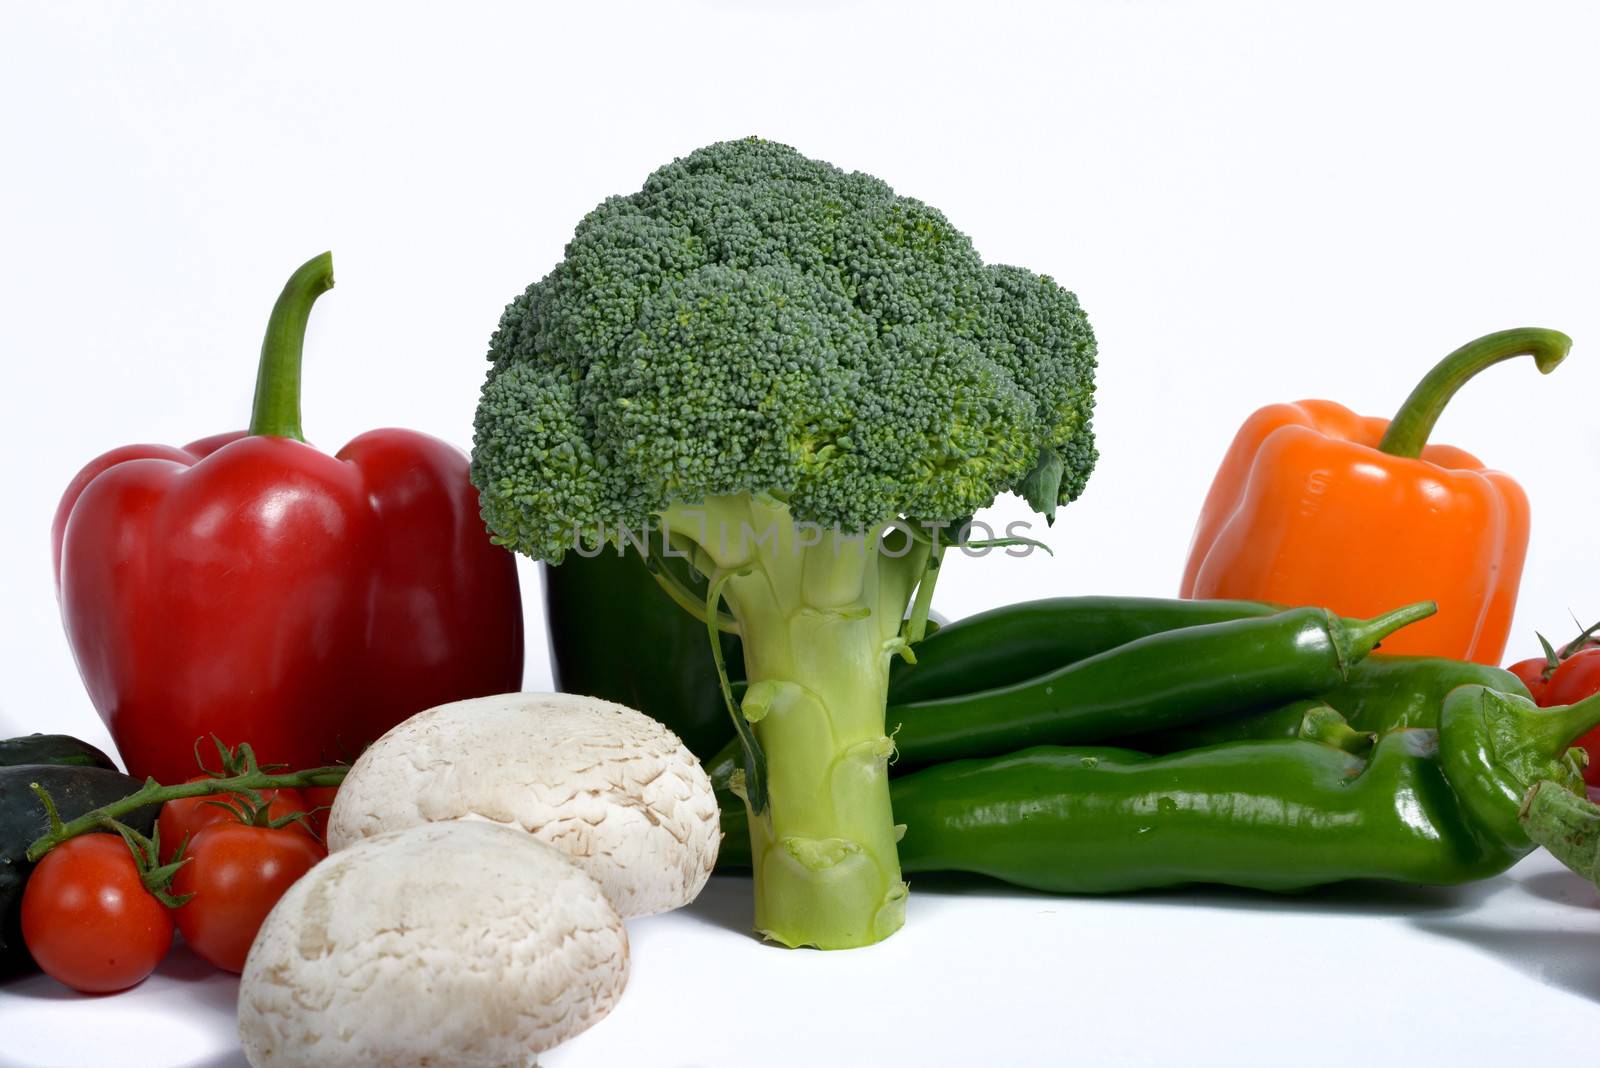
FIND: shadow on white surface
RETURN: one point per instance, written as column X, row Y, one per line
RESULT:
column 1559, row 949
column 131, row 1029
column 726, row 902
column 1562, row 887
column 1343, row 899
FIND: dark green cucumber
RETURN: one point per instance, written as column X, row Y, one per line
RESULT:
column 1383, row 694
column 1019, row 641
column 61, row 749
column 23, row 820
column 1157, row 683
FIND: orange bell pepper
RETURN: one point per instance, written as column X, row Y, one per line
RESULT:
column 1316, row 505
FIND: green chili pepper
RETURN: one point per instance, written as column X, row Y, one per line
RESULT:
column 1496, row 746
column 1273, row 815
column 1383, row 693
column 1423, row 806
column 1155, row 683
column 1018, row 641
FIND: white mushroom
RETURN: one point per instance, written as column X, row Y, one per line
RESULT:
column 608, row 786
column 461, row 944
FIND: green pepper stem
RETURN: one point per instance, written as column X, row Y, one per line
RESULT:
column 1571, row 722
column 1409, row 430
column 1356, row 638
column 1565, row 824
column 277, row 406
column 1324, row 724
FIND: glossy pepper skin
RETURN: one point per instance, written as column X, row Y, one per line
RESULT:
column 252, row 587
column 1015, row 642
column 1275, row 815
column 1382, row 694
column 617, row 635
column 1155, row 683
column 1314, row 504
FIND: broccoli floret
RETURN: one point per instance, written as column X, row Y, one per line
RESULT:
column 756, row 321
column 760, row 340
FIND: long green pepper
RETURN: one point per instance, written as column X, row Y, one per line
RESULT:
column 1382, row 694
column 1016, row 642
column 1158, row 682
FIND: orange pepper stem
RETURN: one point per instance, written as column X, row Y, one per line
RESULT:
column 1409, row 431
column 277, row 406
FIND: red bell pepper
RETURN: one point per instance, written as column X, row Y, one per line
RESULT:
column 252, row 587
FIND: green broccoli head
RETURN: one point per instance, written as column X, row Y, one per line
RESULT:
column 753, row 321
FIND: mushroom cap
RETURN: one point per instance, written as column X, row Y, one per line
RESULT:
column 461, row 944
column 610, row 787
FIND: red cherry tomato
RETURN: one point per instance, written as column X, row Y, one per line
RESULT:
column 1576, row 678
column 88, row 920
column 1531, row 672
column 237, row 873
column 185, row 817
column 1579, row 677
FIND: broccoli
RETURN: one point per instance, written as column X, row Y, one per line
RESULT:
column 812, row 383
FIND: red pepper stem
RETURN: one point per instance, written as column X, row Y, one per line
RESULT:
column 1409, row 431
column 277, row 407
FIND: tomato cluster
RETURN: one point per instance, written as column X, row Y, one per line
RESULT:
column 91, row 922
column 1570, row 679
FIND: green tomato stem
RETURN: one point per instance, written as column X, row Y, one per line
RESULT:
column 277, row 405
column 1409, row 430
column 153, row 793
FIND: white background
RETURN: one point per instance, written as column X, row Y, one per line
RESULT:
column 1255, row 202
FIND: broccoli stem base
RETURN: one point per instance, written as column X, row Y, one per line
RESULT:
column 819, row 616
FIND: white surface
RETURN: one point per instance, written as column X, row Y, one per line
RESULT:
column 1255, row 202
column 1501, row 973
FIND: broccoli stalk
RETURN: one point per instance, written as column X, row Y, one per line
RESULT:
column 819, row 616
column 784, row 364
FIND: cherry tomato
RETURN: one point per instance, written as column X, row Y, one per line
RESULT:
column 237, row 873
column 1576, row 678
column 187, row 815
column 1579, row 677
column 1531, row 672
column 88, row 920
